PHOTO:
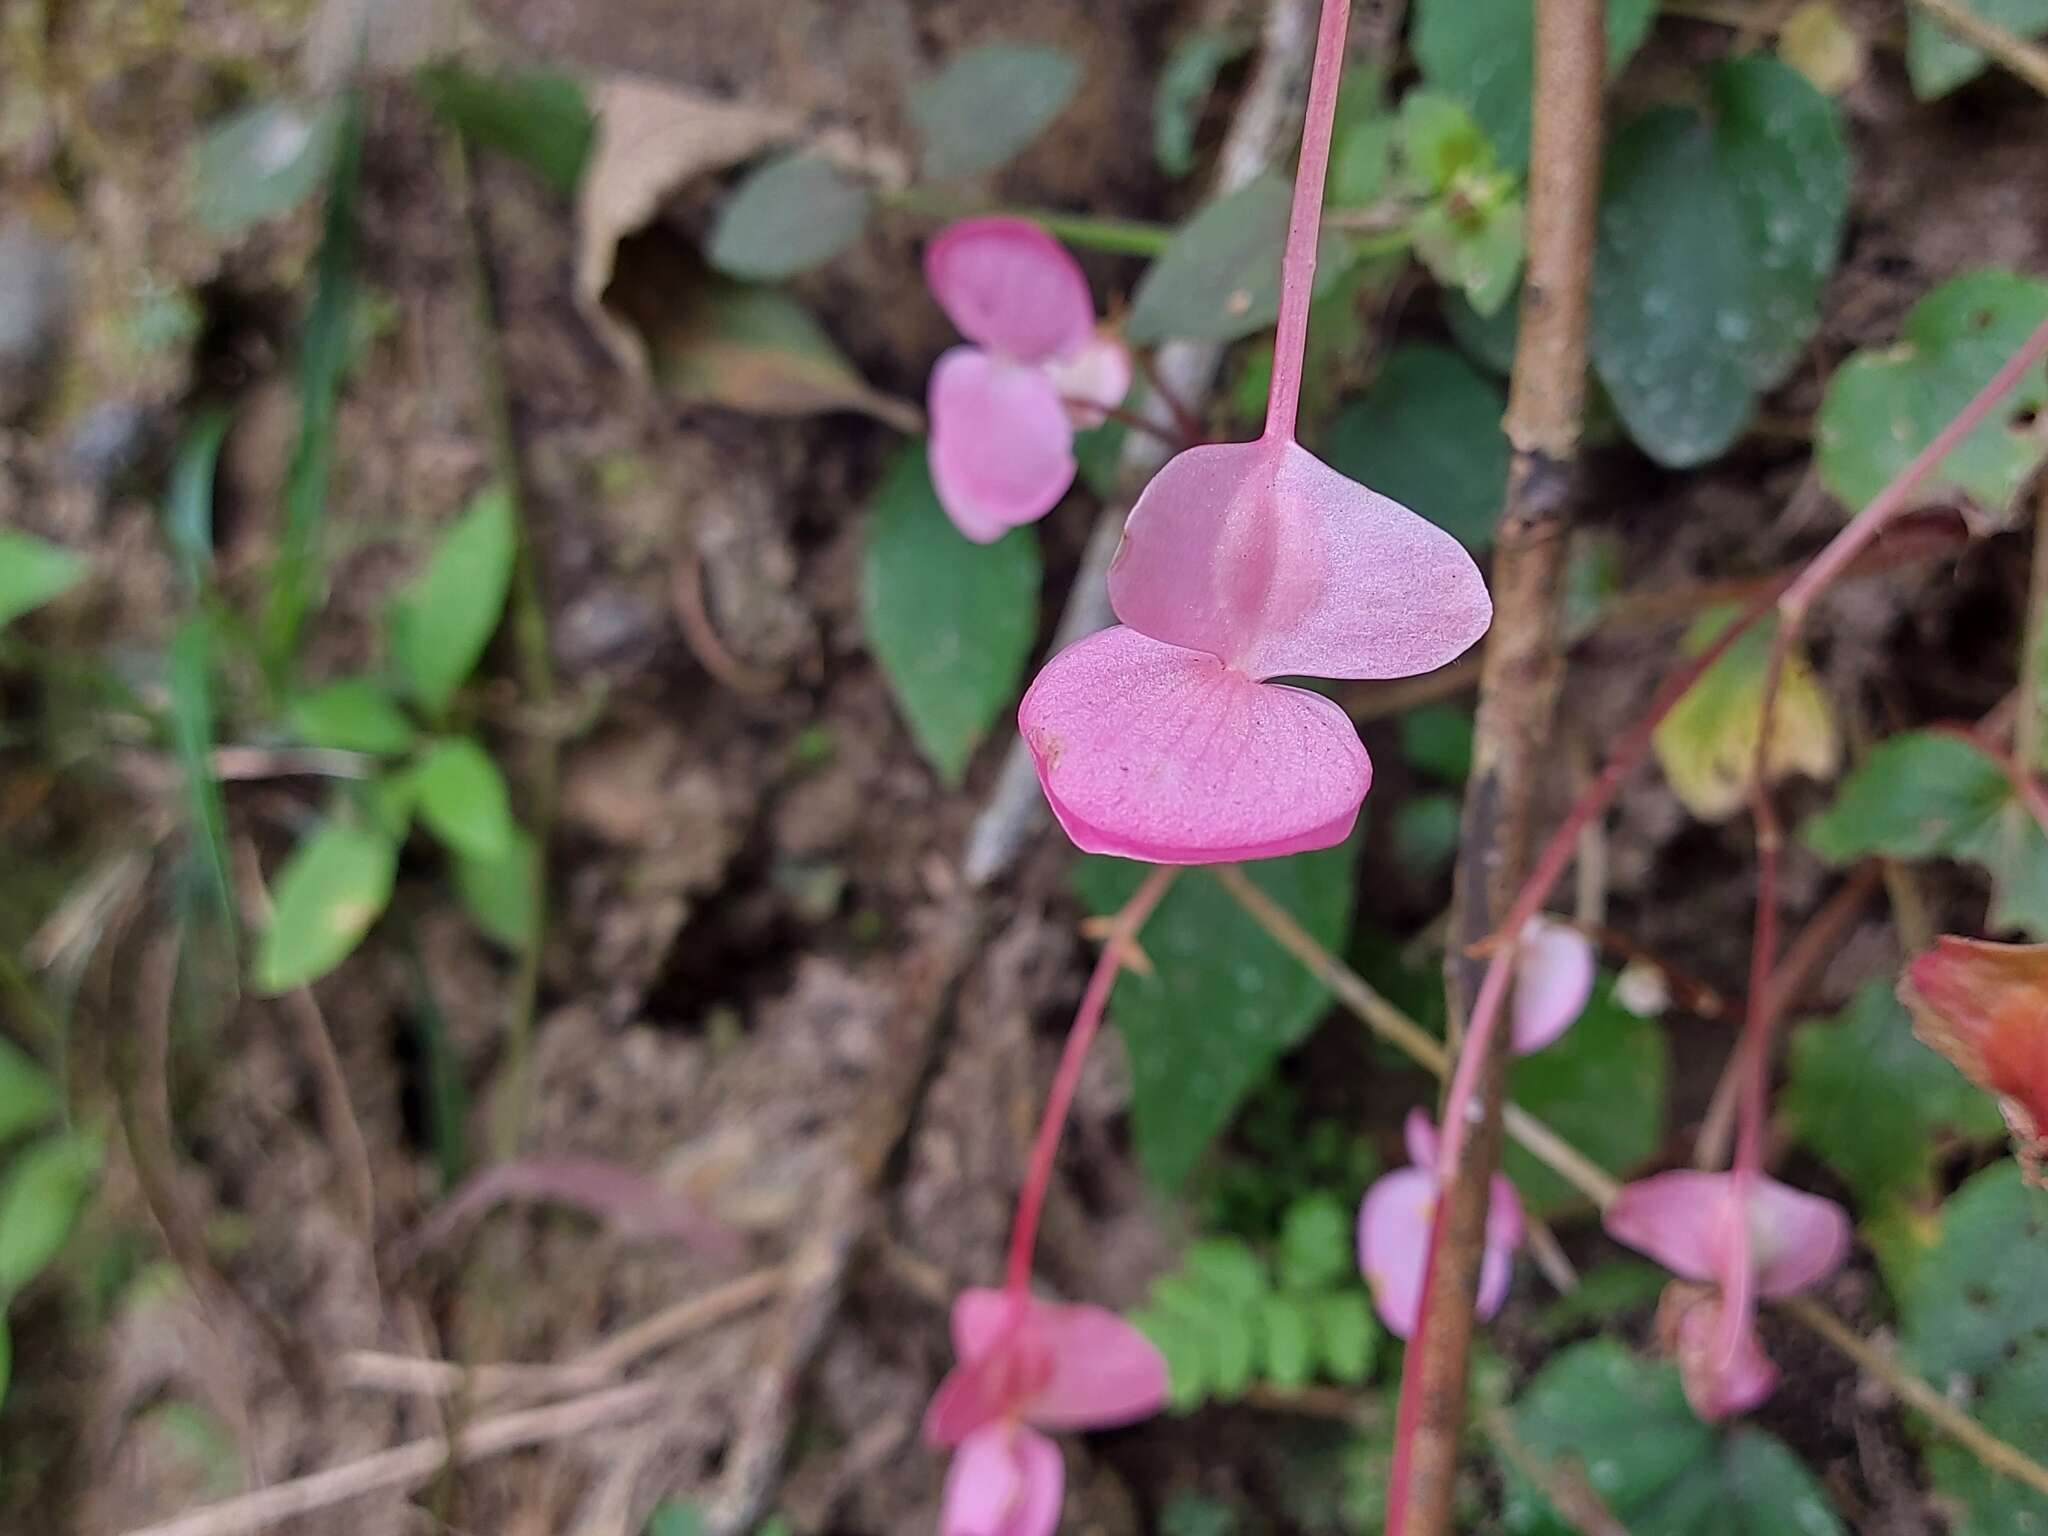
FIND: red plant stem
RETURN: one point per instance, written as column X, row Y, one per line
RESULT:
column 1184, row 417
column 1304, row 225
column 1123, row 928
column 1131, row 419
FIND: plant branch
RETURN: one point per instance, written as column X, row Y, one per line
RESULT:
column 1518, row 686
column 2026, row 728
column 2028, row 61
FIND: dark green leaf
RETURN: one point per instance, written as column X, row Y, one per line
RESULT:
column 1428, row 434
column 262, row 162
column 188, row 673
column 790, row 214
column 333, row 887
column 1316, row 1249
column 188, row 507
column 28, row 1094
column 44, row 1191
column 1220, row 279
column 1716, row 234
column 987, row 104
column 674, row 1517
column 951, row 622
column 1184, row 87
column 447, row 1091
column 1489, row 340
column 1483, row 53
column 442, row 620
column 1886, row 404
column 32, row 572
column 1601, row 1087
column 1918, row 795
column 503, row 894
column 463, row 799
column 353, row 715
column 1937, row 61
column 1627, row 1285
column 532, row 115
column 1437, row 738
column 1224, row 1001
column 1869, row 1098
column 1426, row 829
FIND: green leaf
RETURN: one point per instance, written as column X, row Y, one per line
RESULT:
column 1602, row 1088
column 1316, row 1250
column 447, row 1093
column 1482, row 52
column 1717, row 232
column 333, row 887
column 1937, row 61
column 1225, row 1268
column 188, row 673
column 1287, row 1330
column 1707, row 744
column 188, row 506
column 1347, row 1334
column 1869, row 1099
column 262, row 162
column 1224, row 1001
column 950, row 622
column 1975, row 1321
column 1437, row 739
column 353, row 715
column 503, row 894
column 1884, row 405
column 1425, row 830
column 32, row 572
column 1440, row 141
column 1428, row 434
column 675, row 1517
column 28, row 1094
column 1918, row 795
column 463, row 799
column 535, row 116
column 1626, row 1285
column 441, row 621
column 1471, row 241
column 1220, row 278
column 790, row 214
column 1184, row 88
column 45, row 1189
column 987, row 104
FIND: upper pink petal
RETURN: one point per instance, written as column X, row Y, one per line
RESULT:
column 1678, row 1219
column 1418, row 1133
column 1393, row 1244
column 1797, row 1239
column 1159, row 753
column 1011, row 287
column 1553, row 980
column 1002, row 448
column 1720, row 1382
column 981, row 1316
column 1097, row 374
column 1263, row 555
column 1005, row 1481
column 1104, row 1371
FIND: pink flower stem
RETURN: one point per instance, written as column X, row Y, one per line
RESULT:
column 1123, row 928
column 1304, row 225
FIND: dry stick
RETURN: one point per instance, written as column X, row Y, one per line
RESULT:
column 1258, row 133
column 414, row 1462
column 1600, row 1187
column 2026, row 729
column 1518, row 685
column 2029, row 61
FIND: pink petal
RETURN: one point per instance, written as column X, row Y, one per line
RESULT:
column 1004, row 1481
column 1675, row 1218
column 1010, row 287
column 981, row 1316
column 1099, row 371
column 1393, row 1244
column 1418, row 1131
column 1720, row 1383
column 1163, row 754
column 1503, row 1236
column 1104, row 1371
column 1001, row 449
column 1263, row 555
column 1797, row 1239
column 973, row 1395
column 1553, row 980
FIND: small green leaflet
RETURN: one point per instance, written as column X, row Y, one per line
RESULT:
column 1469, row 232
column 262, row 162
column 1937, row 62
column 45, row 1188
column 461, row 796
column 789, row 214
column 502, row 894
column 333, row 887
column 532, row 115
column 32, row 572
column 28, row 1094
column 188, row 505
column 353, row 715
column 987, row 104
column 441, row 621
column 1870, row 1099
column 1716, row 234
column 950, row 622
column 1886, row 404
column 1224, row 1001
column 1184, row 88
column 1220, row 279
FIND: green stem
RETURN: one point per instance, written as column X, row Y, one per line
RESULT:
column 1123, row 237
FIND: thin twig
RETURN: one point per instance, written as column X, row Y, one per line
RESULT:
column 415, row 1462
column 2026, row 728
column 702, row 637
column 1186, row 370
column 2028, row 61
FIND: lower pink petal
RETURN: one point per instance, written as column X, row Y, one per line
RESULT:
column 1104, row 1371
column 1721, row 1380
column 974, row 1394
column 1002, row 448
column 1553, row 980
column 1674, row 1218
column 1005, row 1481
column 1798, row 1239
column 1393, row 1244
column 1158, row 753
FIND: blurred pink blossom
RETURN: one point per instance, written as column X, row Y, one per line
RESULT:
column 1554, row 966
column 1393, row 1234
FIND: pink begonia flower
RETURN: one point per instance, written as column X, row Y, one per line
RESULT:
column 1004, row 410
column 1393, row 1234
column 1745, row 1234
column 1164, row 739
column 1553, row 981
column 1026, row 1363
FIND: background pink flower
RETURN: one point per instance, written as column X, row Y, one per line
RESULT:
column 1393, row 1234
